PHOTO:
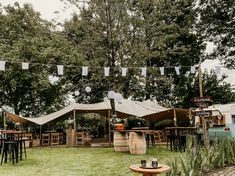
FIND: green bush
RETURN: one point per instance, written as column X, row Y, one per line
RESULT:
column 198, row 159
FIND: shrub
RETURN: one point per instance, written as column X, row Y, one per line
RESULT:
column 198, row 159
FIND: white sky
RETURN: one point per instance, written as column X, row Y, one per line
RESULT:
column 47, row 8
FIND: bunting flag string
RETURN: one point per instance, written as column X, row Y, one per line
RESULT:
column 144, row 71
column 177, row 70
column 25, row 66
column 60, row 69
column 84, row 71
column 124, row 70
column 106, row 71
column 162, row 70
column 193, row 69
column 217, row 70
column 2, row 65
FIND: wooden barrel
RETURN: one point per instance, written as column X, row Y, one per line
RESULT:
column 120, row 142
column 137, row 143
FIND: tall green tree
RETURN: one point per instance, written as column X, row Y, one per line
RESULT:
column 102, row 32
column 217, row 88
column 216, row 24
column 137, row 34
column 25, row 37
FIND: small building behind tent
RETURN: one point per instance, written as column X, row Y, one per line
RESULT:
column 221, row 119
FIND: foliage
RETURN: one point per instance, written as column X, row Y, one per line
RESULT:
column 212, row 85
column 136, row 34
column 216, row 25
column 114, row 33
column 199, row 159
column 25, row 37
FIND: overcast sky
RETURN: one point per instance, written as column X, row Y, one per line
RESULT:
column 55, row 10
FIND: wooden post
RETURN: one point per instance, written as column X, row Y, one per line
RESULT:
column 74, row 119
column 74, row 127
column 175, row 118
column 40, row 135
column 109, row 114
column 4, row 120
column 205, row 127
column 200, row 81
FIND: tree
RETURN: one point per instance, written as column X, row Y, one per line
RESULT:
column 217, row 88
column 25, row 37
column 137, row 34
column 102, row 34
column 216, row 25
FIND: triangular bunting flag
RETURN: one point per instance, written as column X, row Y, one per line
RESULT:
column 25, row 66
column 106, row 71
column 193, row 70
column 217, row 70
column 162, row 70
column 143, row 71
column 2, row 65
column 84, row 71
column 124, row 70
column 60, row 69
column 177, row 70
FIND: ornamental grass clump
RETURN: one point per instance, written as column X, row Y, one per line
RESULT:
column 199, row 159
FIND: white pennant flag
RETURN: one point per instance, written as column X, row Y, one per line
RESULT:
column 162, row 70
column 2, row 65
column 60, row 69
column 217, row 70
column 25, row 66
column 177, row 70
column 106, row 71
column 193, row 70
column 84, row 71
column 124, row 70
column 143, row 71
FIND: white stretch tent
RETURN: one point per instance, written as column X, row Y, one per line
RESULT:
column 125, row 108
column 100, row 108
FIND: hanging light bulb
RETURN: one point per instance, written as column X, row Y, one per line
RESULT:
column 88, row 89
column 118, row 97
column 76, row 93
column 111, row 94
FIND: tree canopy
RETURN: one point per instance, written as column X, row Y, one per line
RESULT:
column 112, row 33
column 25, row 37
column 216, row 24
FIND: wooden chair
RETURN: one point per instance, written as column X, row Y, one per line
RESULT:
column 55, row 138
column 80, row 138
column 87, row 139
column 157, row 136
column 61, row 138
column 45, row 139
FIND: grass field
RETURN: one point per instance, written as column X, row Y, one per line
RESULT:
column 80, row 162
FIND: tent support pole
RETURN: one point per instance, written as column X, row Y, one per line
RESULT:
column 74, row 119
column 40, row 135
column 4, row 120
column 74, row 127
column 109, row 113
column 175, row 118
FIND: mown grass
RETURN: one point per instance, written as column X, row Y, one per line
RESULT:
column 80, row 162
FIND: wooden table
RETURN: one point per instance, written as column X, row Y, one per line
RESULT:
column 150, row 172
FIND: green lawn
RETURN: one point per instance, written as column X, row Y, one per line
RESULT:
column 80, row 162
